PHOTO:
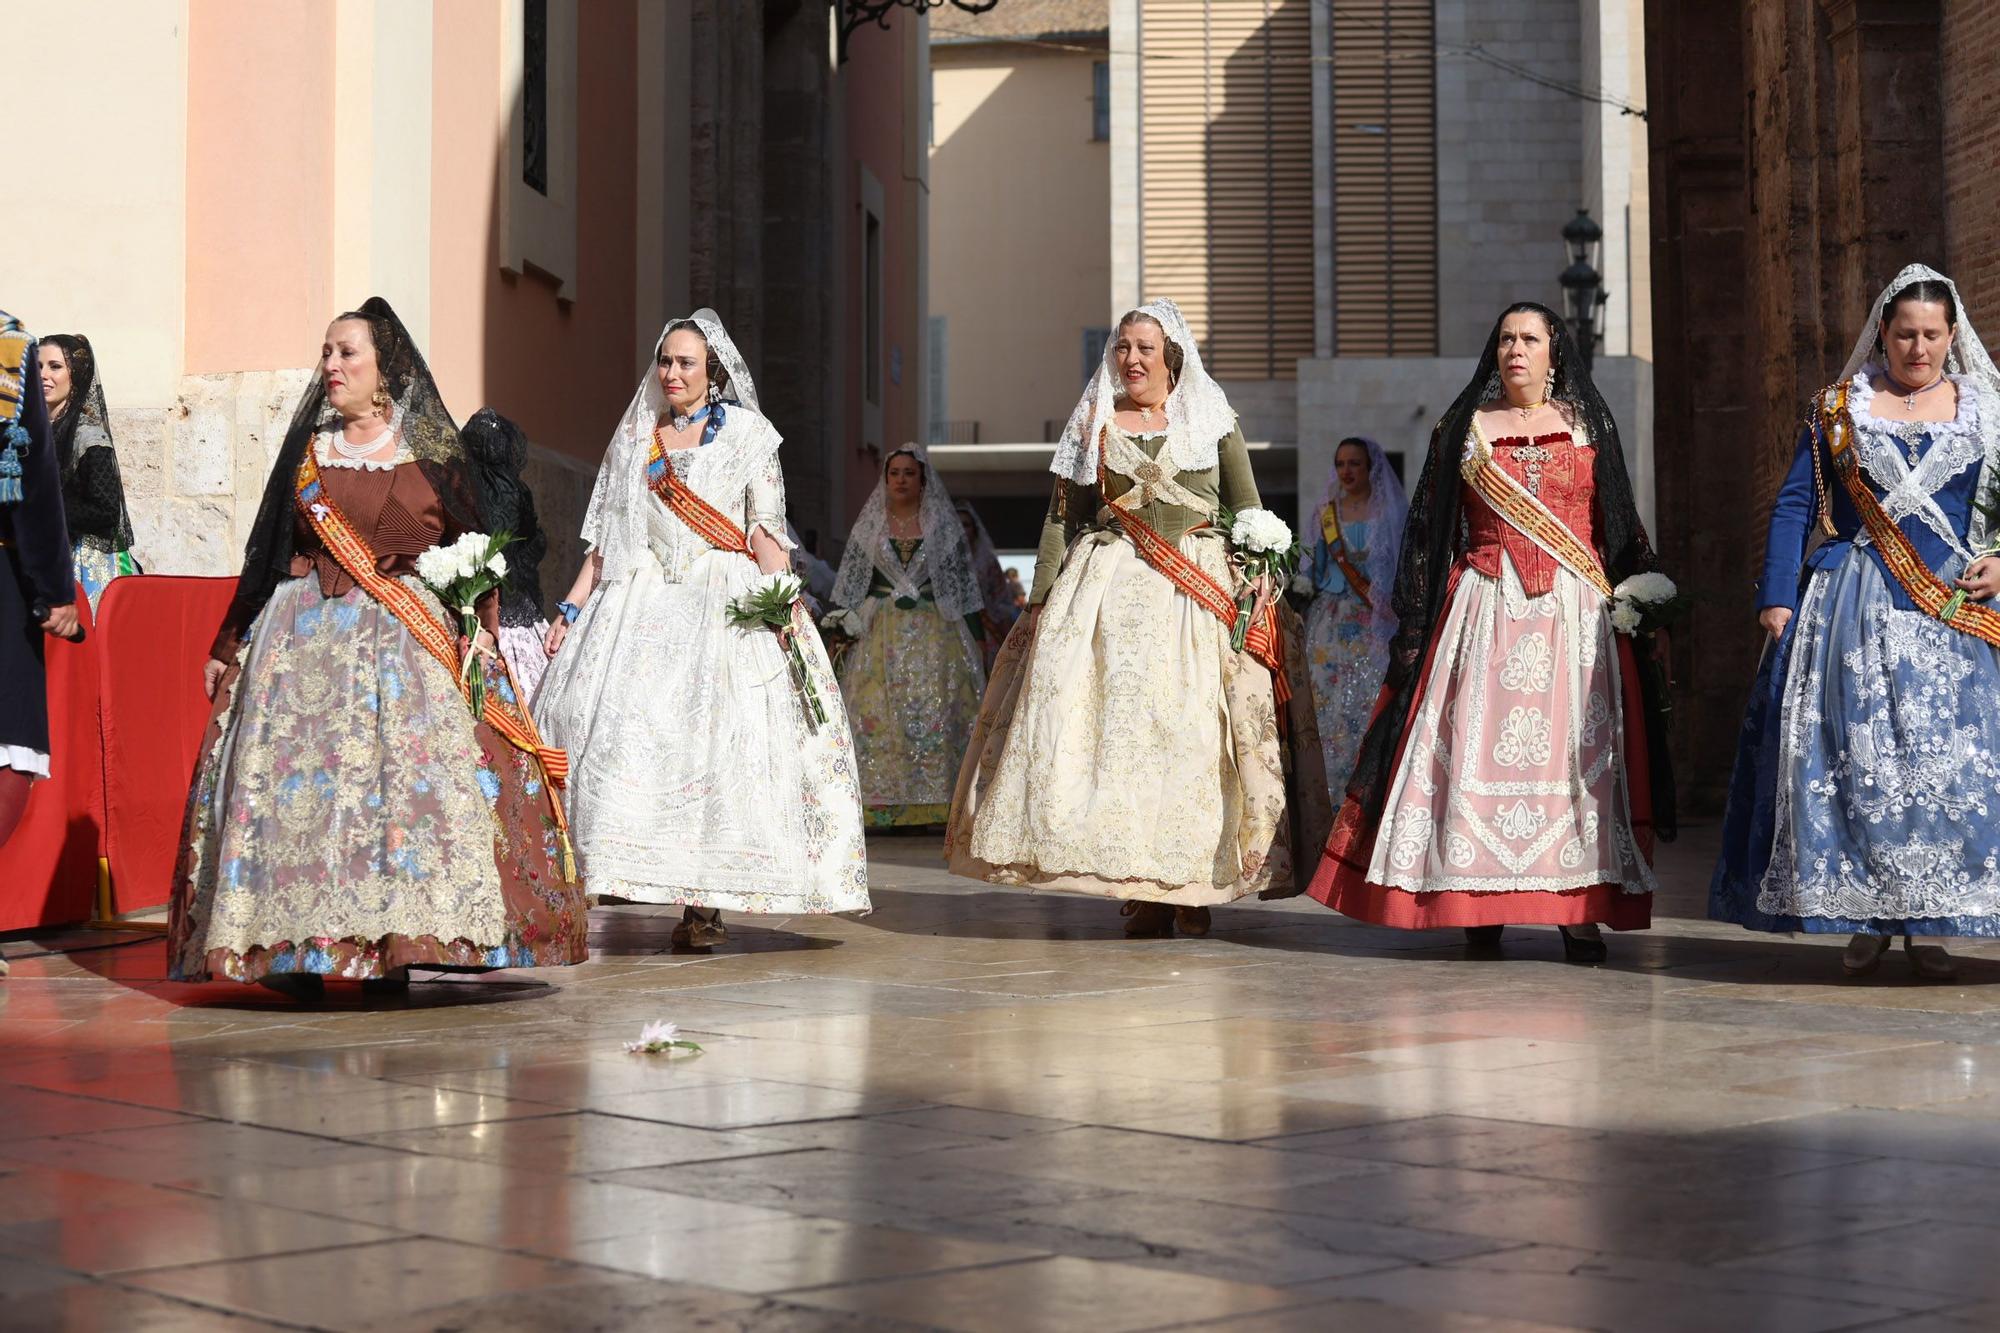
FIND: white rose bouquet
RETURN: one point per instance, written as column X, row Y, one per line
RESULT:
column 769, row 604
column 1266, row 550
column 1646, row 602
column 460, row 574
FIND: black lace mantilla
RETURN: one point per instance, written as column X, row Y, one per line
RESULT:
column 93, row 491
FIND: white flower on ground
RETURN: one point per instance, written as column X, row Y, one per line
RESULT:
column 1624, row 616
column 656, row 1037
column 1649, row 589
column 1260, row 530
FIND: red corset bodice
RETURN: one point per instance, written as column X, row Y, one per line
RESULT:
column 1558, row 472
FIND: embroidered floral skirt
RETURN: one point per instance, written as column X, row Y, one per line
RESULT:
column 912, row 684
column 95, row 568
column 695, row 778
column 1866, row 795
column 521, row 645
column 1511, row 801
column 1346, row 667
column 348, row 817
column 1123, row 749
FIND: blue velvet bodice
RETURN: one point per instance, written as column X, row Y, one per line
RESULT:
column 1952, row 490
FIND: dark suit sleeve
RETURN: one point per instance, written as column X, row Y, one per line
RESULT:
column 1791, row 518
column 40, row 533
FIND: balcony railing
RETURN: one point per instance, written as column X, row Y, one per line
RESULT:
column 954, row 432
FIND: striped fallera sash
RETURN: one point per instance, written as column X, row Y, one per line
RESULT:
column 1932, row 595
column 708, row 522
column 1263, row 641
column 1529, row 516
column 510, row 720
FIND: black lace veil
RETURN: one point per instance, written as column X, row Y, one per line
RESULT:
column 428, row 433
column 497, row 450
column 93, row 491
column 1433, row 539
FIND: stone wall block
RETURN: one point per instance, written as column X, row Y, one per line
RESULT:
column 142, row 438
column 204, row 437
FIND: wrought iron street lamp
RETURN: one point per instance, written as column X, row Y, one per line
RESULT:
column 1584, row 297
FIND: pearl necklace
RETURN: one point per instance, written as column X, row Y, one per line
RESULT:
column 355, row 452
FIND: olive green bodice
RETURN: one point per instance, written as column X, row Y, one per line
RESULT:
column 1073, row 509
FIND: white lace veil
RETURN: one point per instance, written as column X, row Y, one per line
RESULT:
column 1198, row 412
column 1968, row 357
column 614, row 525
column 1391, row 508
column 943, row 558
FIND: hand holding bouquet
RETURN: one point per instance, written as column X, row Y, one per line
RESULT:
column 460, row 574
column 769, row 603
column 1265, row 548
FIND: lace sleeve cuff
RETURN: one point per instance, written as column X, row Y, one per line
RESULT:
column 774, row 528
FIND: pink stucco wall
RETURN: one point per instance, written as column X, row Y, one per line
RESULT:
column 260, row 125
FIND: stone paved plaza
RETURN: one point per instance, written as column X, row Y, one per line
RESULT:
column 980, row 1110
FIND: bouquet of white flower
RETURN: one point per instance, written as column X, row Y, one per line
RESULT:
column 460, row 574
column 769, row 604
column 1268, row 553
column 1644, row 603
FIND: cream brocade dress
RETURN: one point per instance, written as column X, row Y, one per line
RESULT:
column 1123, row 749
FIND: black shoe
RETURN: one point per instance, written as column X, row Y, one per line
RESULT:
column 298, row 985
column 1483, row 941
column 1588, row 950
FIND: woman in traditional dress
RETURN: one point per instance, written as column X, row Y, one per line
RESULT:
column 349, row 817
column 1509, row 776
column 93, row 494
column 37, row 583
column 1124, row 749
column 1350, row 622
column 1866, row 797
column 499, row 450
column 998, row 608
column 913, row 677
column 700, row 777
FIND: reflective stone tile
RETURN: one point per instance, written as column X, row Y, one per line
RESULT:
column 795, row 1253
column 614, row 1303
column 30, row 1113
column 189, row 1230
column 576, row 1143
column 1124, row 1160
column 748, row 1103
column 358, row 1284
column 1945, row 1257
column 98, row 1306
column 1051, row 1293
column 860, row 1188
column 1587, row 1301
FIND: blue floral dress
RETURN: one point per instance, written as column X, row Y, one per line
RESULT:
column 1866, row 795
column 1344, row 660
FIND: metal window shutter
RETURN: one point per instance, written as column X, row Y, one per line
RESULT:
column 1226, row 143
column 1384, row 183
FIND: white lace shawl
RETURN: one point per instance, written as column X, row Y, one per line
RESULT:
column 614, row 526
column 1198, row 413
column 1968, row 358
column 943, row 558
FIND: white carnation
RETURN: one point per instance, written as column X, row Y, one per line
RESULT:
column 1302, row 584
column 1625, row 616
column 435, row 566
column 787, row 586
column 1647, row 589
column 1260, row 530
column 498, row 564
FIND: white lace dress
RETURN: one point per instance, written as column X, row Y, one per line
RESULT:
column 695, row 775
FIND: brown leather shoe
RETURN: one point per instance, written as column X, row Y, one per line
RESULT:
column 1191, row 921
column 1147, row 921
column 700, row 928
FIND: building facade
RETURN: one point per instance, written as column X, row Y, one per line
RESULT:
column 1020, row 250
column 1803, row 152
column 535, row 185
